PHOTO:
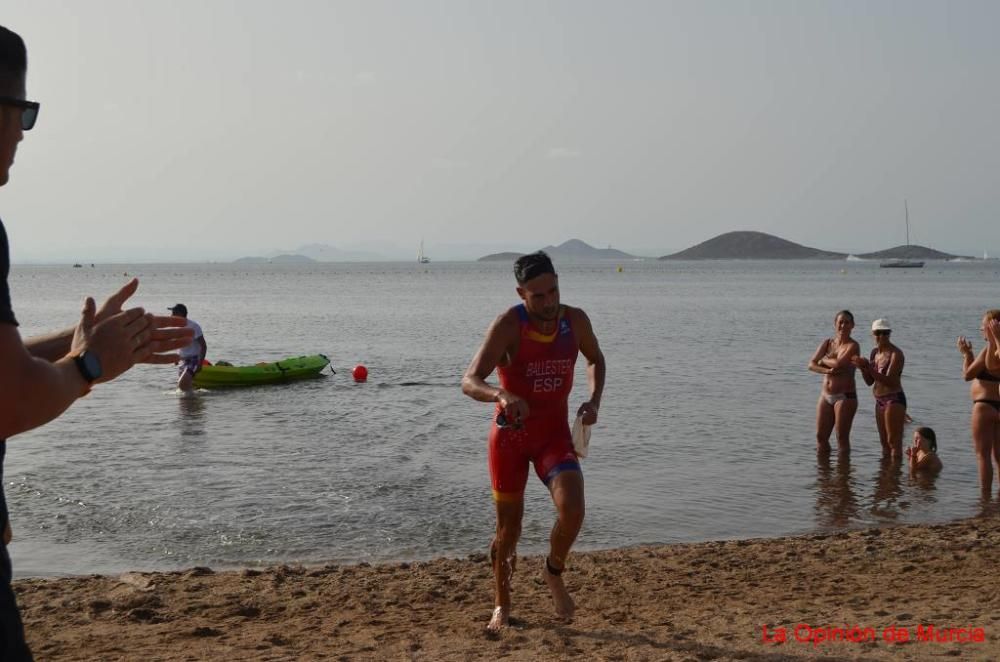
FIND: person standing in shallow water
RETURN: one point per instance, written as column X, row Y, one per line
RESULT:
column 838, row 399
column 883, row 370
column 192, row 356
column 985, row 394
column 534, row 347
column 43, row 376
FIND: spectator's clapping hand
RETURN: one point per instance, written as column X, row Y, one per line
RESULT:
column 126, row 338
column 114, row 340
column 992, row 329
column 113, row 304
column 167, row 333
column 964, row 346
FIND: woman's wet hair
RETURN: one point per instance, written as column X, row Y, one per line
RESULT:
column 929, row 435
column 13, row 62
column 531, row 266
column 846, row 313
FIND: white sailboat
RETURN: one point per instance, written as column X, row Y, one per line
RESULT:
column 902, row 263
column 421, row 258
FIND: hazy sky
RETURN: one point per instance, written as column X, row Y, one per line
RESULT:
column 210, row 129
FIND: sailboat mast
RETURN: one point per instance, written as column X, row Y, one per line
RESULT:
column 907, row 210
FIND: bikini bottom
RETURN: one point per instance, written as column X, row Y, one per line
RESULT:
column 884, row 401
column 834, row 398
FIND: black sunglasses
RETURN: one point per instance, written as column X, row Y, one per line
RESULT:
column 29, row 110
column 881, row 332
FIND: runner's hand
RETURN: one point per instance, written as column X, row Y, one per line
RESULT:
column 589, row 412
column 514, row 408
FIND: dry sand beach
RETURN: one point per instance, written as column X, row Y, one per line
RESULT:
column 705, row 601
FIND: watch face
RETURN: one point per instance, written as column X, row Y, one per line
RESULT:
column 91, row 366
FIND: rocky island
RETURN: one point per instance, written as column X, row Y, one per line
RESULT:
column 750, row 245
column 572, row 250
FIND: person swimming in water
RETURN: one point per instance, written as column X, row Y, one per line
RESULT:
column 985, row 393
column 922, row 455
column 883, row 370
column 838, row 399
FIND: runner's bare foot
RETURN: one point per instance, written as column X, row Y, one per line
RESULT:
column 500, row 620
column 565, row 607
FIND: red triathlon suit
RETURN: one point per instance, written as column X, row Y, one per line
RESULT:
column 542, row 374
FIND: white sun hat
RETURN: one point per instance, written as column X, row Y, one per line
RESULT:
column 881, row 324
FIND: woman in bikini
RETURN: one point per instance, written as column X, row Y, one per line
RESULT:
column 838, row 400
column 883, row 369
column 985, row 392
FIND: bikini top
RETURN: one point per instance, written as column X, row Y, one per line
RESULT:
column 987, row 376
column 880, row 369
column 829, row 345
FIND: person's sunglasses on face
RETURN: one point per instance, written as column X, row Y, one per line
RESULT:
column 29, row 110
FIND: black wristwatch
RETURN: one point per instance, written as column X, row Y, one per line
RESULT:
column 89, row 366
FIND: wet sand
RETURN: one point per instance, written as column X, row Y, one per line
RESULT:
column 717, row 600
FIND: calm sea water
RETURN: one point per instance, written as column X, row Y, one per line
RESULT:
column 706, row 430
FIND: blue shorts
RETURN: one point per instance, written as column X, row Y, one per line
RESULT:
column 190, row 364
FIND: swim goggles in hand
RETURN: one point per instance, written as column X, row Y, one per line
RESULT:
column 502, row 422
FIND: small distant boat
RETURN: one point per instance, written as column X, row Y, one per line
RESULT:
column 421, row 258
column 899, row 263
column 77, row 266
column 292, row 368
column 902, row 263
column 855, row 258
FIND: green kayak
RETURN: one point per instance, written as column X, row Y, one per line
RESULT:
column 298, row 367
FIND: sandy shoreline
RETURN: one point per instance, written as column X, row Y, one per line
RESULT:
column 684, row 602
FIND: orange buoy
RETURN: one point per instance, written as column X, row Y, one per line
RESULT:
column 360, row 373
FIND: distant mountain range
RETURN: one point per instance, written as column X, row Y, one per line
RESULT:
column 313, row 253
column 572, row 250
column 740, row 245
column 748, row 245
column 277, row 259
